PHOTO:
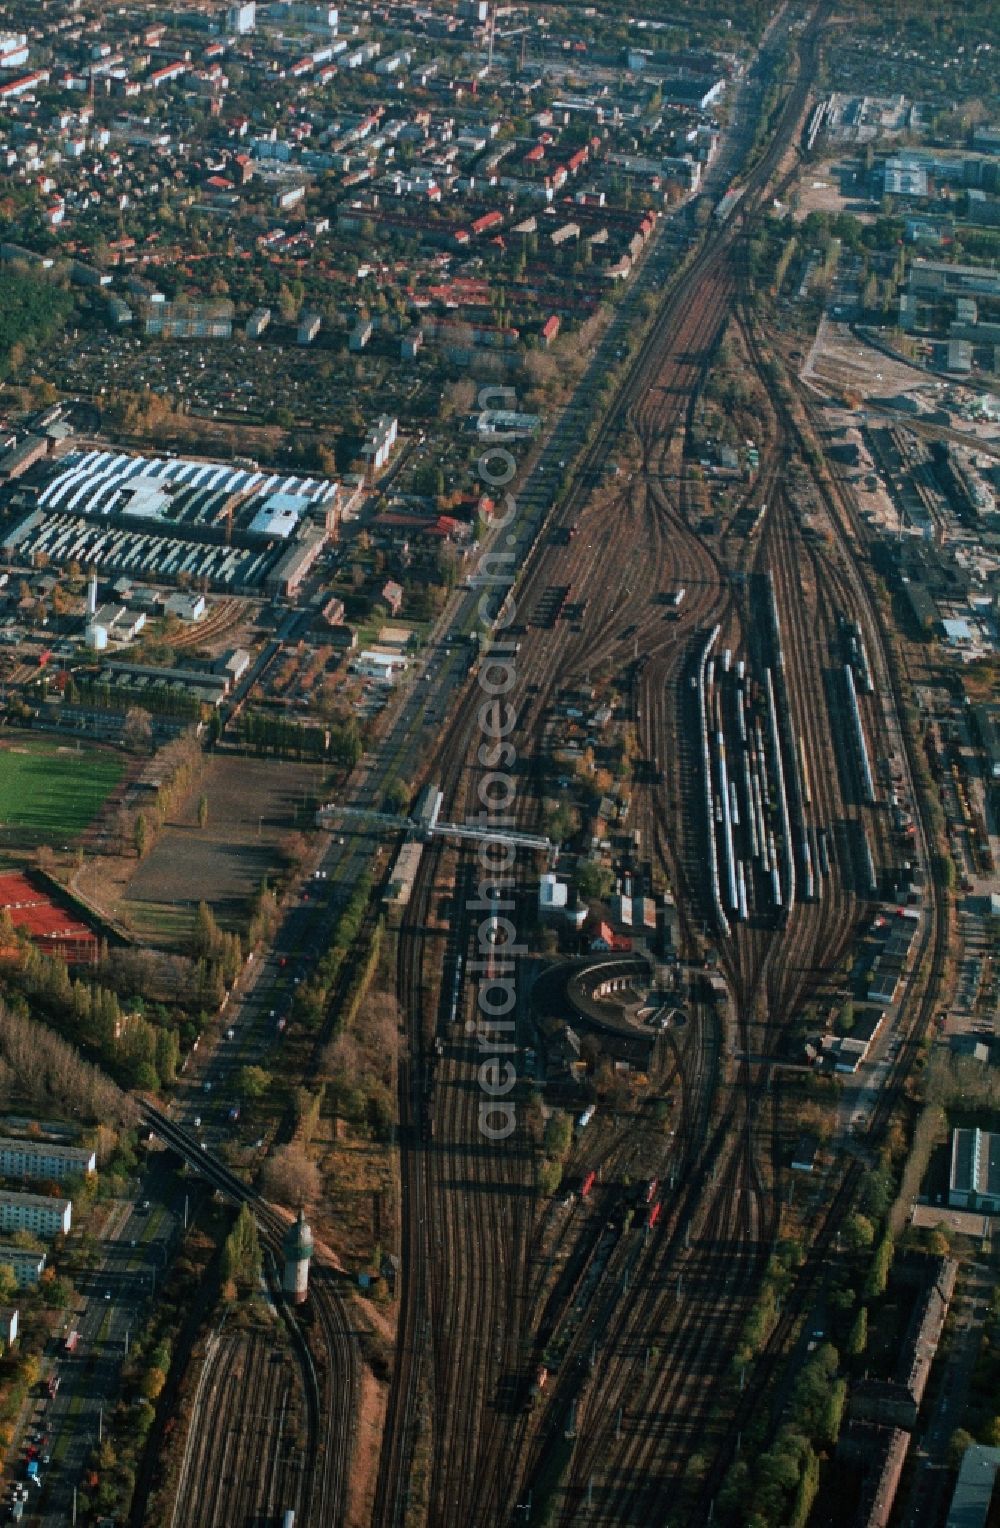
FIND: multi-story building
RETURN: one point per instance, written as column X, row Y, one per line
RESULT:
column 44, row 1159
column 189, row 320
column 27, row 1266
column 34, row 1212
column 13, row 50
column 257, row 323
column 381, row 439
column 309, row 326
column 9, row 1319
column 241, row 18
column 299, row 13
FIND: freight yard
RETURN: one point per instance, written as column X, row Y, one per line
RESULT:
column 511, row 919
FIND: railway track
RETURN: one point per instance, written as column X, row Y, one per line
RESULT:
column 843, row 588
column 331, row 1380
column 648, row 1319
column 244, row 1456
column 732, row 1173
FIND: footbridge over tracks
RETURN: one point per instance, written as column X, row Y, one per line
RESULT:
column 425, row 821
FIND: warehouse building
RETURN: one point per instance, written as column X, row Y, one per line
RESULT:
column 976, row 1488
column 287, row 575
column 44, row 1159
column 20, row 457
column 174, row 490
column 155, row 557
column 974, row 1181
column 186, row 607
column 208, row 687
column 169, row 519
column 39, row 1213
column 385, row 667
column 117, row 622
column 937, row 279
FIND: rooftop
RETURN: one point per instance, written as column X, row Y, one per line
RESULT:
column 974, row 1488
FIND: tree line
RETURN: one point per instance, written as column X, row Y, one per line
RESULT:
column 340, row 742
column 44, row 1071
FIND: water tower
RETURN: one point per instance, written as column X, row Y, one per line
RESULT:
column 298, row 1249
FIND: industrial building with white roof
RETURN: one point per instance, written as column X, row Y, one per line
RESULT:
column 165, row 517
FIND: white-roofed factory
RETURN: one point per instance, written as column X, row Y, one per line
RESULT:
column 160, row 517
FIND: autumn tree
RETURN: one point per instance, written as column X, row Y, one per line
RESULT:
column 291, row 1177
column 253, row 1082
column 241, row 1257
column 138, row 730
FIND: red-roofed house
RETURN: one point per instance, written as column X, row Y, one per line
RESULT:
column 165, row 75
column 487, row 221
column 24, row 83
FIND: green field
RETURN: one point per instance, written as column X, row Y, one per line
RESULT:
column 49, row 792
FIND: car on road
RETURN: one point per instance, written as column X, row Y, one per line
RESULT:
column 107, row 1294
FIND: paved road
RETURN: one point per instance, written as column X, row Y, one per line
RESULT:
column 135, row 1249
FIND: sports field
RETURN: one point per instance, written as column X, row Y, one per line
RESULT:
column 49, row 792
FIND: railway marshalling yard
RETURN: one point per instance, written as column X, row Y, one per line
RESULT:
column 614, row 1311
column 614, row 1345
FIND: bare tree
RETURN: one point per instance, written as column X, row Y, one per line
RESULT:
column 343, row 1054
column 291, row 1177
column 138, row 730
column 458, row 397
column 49, row 1073
column 45, row 858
